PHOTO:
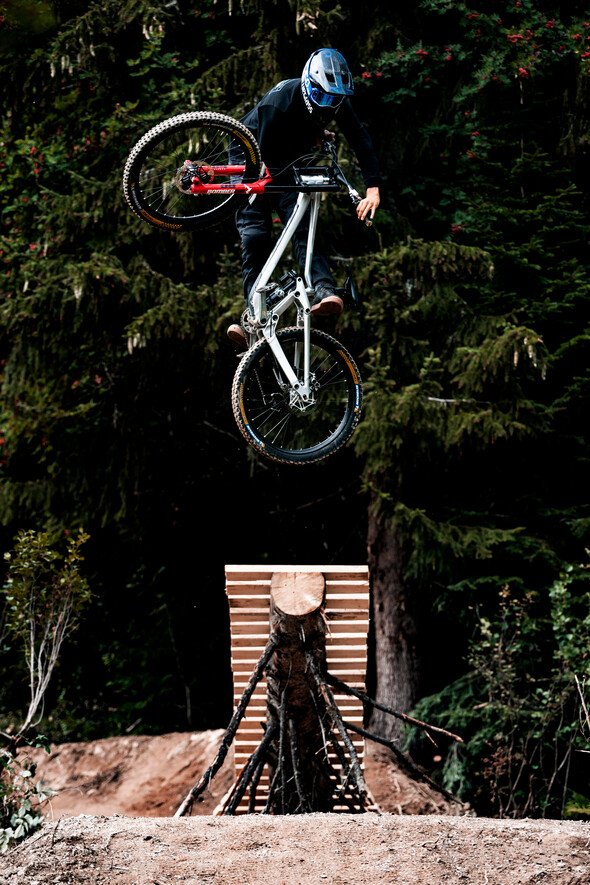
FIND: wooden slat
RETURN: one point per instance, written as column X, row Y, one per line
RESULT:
column 332, row 572
column 347, row 616
column 247, row 601
column 347, row 651
column 248, row 588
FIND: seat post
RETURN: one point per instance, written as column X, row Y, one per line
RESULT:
column 313, row 223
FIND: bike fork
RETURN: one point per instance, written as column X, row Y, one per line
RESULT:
column 298, row 372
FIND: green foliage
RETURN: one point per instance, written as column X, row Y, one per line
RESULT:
column 473, row 440
column 465, row 75
column 577, row 808
column 444, row 382
column 521, row 710
column 44, row 596
column 21, row 796
column 28, row 16
column 43, row 590
column 468, row 385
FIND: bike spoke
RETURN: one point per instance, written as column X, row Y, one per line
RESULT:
column 203, row 146
column 278, row 431
column 157, row 182
column 288, row 427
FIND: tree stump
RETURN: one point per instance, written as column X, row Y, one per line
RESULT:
column 298, row 763
column 297, row 726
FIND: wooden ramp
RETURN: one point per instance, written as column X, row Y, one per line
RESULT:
column 347, row 614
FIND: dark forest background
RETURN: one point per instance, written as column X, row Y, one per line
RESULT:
column 466, row 485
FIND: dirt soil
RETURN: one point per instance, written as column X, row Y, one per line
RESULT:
column 111, row 822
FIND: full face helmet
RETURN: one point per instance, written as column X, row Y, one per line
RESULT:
column 326, row 80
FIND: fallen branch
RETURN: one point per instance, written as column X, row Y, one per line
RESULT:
column 337, row 720
column 254, row 786
column 403, row 717
column 583, row 702
column 230, row 733
column 256, row 760
column 340, row 794
column 296, row 767
column 271, row 793
column 281, row 750
column 404, row 761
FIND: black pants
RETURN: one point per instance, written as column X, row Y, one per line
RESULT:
column 254, row 223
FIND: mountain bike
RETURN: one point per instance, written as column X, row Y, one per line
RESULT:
column 297, row 392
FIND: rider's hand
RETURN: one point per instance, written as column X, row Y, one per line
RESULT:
column 369, row 204
column 327, row 136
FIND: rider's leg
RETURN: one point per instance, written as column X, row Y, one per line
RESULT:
column 254, row 224
column 325, row 301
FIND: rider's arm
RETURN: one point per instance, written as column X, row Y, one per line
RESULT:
column 360, row 141
column 369, row 204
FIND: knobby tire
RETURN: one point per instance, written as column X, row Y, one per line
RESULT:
column 153, row 183
column 267, row 420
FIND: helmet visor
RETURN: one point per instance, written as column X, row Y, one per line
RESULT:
column 324, row 99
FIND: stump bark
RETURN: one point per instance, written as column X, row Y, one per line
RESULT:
column 297, row 759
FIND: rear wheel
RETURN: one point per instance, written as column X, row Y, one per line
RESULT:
column 271, row 418
column 161, row 167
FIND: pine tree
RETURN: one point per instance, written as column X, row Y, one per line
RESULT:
column 114, row 406
column 474, row 464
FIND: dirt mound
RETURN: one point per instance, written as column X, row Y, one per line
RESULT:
column 128, row 788
column 150, row 776
column 139, row 776
column 338, row 849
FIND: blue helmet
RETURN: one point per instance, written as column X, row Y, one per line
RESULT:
column 326, row 80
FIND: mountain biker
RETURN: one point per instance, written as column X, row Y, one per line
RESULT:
column 288, row 122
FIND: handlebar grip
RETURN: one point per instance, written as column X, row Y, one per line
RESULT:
column 355, row 197
column 368, row 222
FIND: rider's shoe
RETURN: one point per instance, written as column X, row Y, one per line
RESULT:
column 326, row 302
column 236, row 334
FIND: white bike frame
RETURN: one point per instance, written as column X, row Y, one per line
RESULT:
column 267, row 320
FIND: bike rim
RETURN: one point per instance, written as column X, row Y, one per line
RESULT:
column 277, row 427
column 163, row 178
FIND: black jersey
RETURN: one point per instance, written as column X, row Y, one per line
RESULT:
column 286, row 131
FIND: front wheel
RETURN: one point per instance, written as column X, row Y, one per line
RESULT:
column 269, row 416
column 194, row 147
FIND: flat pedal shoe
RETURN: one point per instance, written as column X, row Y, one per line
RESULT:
column 326, row 303
column 236, row 334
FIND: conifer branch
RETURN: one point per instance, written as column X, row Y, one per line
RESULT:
column 255, row 763
column 404, row 761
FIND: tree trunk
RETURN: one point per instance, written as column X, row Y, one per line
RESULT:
column 397, row 661
column 297, row 754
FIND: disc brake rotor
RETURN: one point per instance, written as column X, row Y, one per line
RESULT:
column 191, row 170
